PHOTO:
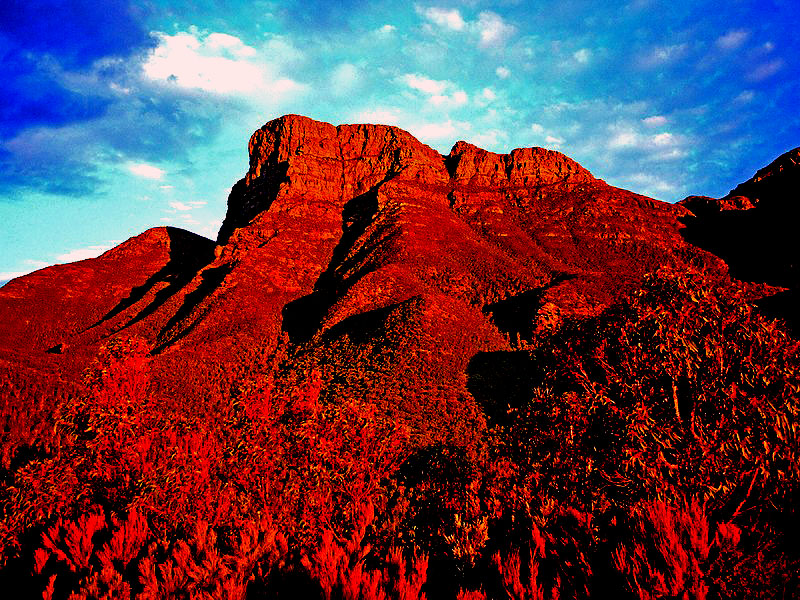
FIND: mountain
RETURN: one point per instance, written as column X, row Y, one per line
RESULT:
column 754, row 230
column 361, row 243
column 392, row 269
column 397, row 374
column 375, row 254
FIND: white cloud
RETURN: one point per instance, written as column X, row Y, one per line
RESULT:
column 545, row 137
column 31, row 266
column 492, row 139
column 655, row 121
column 218, row 63
column 457, row 99
column 624, row 139
column 733, row 39
column 449, row 19
column 617, row 139
column 663, row 139
column 187, row 219
column 660, row 147
column 745, row 97
column 441, row 93
column 210, row 229
column 438, row 131
column 230, row 43
column 650, row 184
column 378, row 116
column 423, row 84
column 280, row 51
column 7, row 275
column 36, row 264
column 83, row 253
column 146, row 171
column 582, row 56
column 344, row 78
column 661, row 55
column 765, row 70
column 489, row 94
column 502, row 72
column 441, row 132
column 114, row 86
column 387, row 29
column 490, row 28
column 493, row 30
column 668, row 155
column 185, row 206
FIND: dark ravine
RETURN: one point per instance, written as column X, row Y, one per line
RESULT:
column 374, row 253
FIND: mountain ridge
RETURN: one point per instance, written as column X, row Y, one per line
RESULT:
column 371, row 252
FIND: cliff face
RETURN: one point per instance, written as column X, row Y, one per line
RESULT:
column 373, row 253
column 301, row 166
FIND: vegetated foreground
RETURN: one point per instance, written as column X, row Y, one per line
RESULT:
column 401, row 375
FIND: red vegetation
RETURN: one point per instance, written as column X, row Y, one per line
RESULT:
column 656, row 452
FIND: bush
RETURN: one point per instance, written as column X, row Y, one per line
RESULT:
column 654, row 454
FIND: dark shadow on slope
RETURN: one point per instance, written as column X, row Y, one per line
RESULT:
column 188, row 254
column 516, row 315
column 303, row 317
column 783, row 305
column 246, row 201
column 500, row 381
column 364, row 326
column 758, row 245
column 211, row 279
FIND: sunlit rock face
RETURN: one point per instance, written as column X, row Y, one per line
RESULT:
column 381, row 263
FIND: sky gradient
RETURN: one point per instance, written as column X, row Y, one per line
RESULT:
column 116, row 117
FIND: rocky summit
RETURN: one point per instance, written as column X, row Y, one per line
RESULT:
column 389, row 268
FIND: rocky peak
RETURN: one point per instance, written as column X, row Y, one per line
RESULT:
column 469, row 164
column 299, row 141
column 299, row 165
column 786, row 164
column 295, row 159
column 776, row 181
column 705, row 205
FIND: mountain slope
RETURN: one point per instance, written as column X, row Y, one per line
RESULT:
column 754, row 229
column 388, row 266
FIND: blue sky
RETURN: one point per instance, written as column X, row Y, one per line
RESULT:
column 116, row 117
